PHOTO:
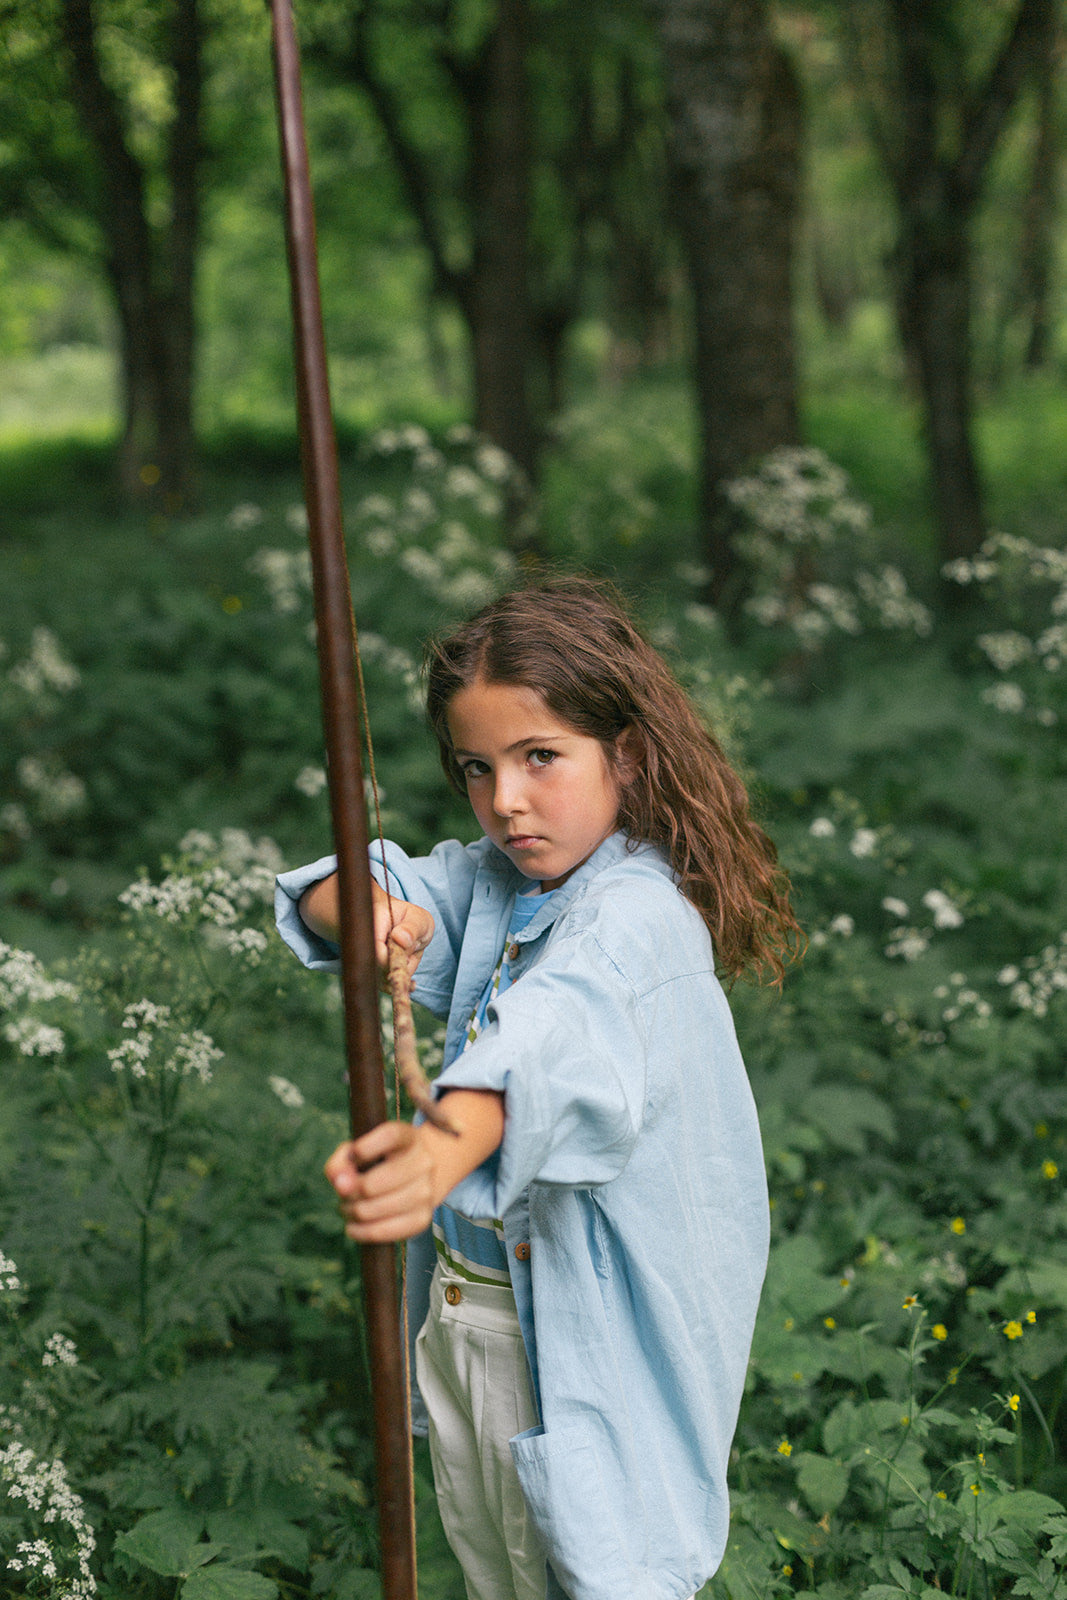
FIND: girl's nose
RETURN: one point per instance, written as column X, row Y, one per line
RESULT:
column 507, row 795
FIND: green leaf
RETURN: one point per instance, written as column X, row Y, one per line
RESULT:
column 1024, row 1508
column 822, row 1481
column 228, row 1583
column 846, row 1116
column 165, row 1541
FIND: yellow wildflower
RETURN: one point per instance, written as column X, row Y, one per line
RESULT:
column 1031, row 1316
column 785, row 1448
column 829, row 1322
column 976, row 1488
column 1013, row 1402
column 939, row 1330
column 1049, row 1169
column 958, row 1225
column 1013, row 1330
column 787, row 1572
column 910, row 1302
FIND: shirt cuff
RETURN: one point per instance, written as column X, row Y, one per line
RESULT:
column 321, row 955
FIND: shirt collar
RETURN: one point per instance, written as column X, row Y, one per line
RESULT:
column 614, row 849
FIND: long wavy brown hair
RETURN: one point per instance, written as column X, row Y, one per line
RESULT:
column 573, row 642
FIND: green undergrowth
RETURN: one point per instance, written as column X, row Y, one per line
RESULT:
column 183, row 1386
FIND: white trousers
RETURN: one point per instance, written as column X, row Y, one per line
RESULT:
column 471, row 1366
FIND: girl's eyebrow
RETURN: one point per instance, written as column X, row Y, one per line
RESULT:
column 536, row 741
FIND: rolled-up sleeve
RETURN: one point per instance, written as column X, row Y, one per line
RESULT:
column 321, row 955
column 565, row 1045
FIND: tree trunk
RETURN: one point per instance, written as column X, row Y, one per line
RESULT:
column 496, row 297
column 150, row 267
column 735, row 115
column 935, row 314
column 1039, row 217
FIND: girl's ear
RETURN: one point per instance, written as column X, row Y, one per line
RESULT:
column 629, row 751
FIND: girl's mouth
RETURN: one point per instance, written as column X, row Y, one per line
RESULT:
column 521, row 841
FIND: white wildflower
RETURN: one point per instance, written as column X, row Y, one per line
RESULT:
column 145, row 1013
column 1006, row 697
column 863, row 842
column 822, row 828
column 45, row 667
column 380, row 541
column 22, row 977
column 1005, row 650
column 33, row 1038
column 59, row 1351
column 250, row 944
column 194, row 1054
column 218, row 910
column 908, row 943
column 244, row 516
column 44, row 1487
column 286, row 575
column 58, row 793
column 9, row 1278
column 896, row 908
column 886, row 592
column 946, row 913
column 462, row 483
column 1009, row 974
column 419, row 506
column 310, row 781
column 13, row 819
column 287, row 1092
column 493, row 463
column 843, row 925
column 376, row 506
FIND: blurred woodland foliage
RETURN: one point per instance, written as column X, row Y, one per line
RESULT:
column 510, row 189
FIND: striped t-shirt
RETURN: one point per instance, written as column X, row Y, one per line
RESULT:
column 475, row 1250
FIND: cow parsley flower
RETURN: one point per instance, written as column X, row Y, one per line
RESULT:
column 34, row 1038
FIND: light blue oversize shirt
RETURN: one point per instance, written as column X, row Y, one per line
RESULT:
column 630, row 1172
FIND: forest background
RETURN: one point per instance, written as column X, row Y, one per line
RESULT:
column 756, row 310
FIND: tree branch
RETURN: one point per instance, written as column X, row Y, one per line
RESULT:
column 990, row 103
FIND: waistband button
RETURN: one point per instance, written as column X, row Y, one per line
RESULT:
column 453, row 1294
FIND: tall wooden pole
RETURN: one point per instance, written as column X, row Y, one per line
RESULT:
column 341, row 724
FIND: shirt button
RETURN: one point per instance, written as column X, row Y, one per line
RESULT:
column 513, row 952
column 453, row 1294
column 522, row 1252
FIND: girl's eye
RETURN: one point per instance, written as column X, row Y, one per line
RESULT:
column 474, row 769
column 542, row 758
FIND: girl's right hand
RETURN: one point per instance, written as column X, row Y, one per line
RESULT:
column 401, row 922
column 408, row 925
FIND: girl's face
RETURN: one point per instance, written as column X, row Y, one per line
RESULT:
column 545, row 795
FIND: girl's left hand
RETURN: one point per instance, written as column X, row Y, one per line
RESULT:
column 385, row 1183
column 390, row 1180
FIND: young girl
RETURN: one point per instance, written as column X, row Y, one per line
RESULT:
column 588, row 1249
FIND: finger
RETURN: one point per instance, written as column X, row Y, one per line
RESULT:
column 340, row 1169
column 412, row 1193
column 381, row 1143
column 402, row 1224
